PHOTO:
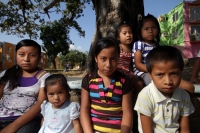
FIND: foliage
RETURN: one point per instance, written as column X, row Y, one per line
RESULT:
column 55, row 39
column 73, row 57
column 21, row 17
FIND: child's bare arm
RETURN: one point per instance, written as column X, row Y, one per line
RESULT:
column 85, row 112
column 127, row 117
column 146, row 122
column 77, row 126
column 194, row 76
column 184, row 124
column 138, row 61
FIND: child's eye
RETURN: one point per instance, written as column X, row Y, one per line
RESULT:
column 33, row 55
column 103, row 59
column 174, row 74
column 50, row 94
column 21, row 54
column 60, row 93
column 159, row 75
column 154, row 27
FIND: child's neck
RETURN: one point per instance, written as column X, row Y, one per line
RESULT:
column 125, row 48
column 150, row 42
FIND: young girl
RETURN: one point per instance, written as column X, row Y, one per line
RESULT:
column 125, row 36
column 106, row 93
column 60, row 115
column 21, row 90
column 149, row 38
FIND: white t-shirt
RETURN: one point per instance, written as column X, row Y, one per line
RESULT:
column 59, row 120
column 19, row 100
column 165, row 112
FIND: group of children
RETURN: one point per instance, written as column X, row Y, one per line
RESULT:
column 123, row 70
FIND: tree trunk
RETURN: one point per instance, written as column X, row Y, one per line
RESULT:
column 54, row 62
column 109, row 13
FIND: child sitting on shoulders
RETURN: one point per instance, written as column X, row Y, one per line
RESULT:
column 59, row 113
column 163, row 107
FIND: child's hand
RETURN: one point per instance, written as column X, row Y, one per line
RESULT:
column 195, row 80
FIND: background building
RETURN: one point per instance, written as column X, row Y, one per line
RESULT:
column 181, row 28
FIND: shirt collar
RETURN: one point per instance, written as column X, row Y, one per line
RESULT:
column 159, row 97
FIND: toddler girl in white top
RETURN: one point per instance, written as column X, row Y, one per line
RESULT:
column 60, row 115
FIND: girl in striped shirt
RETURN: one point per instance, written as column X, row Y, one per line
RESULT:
column 105, row 95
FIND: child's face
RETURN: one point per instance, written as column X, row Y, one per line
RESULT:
column 107, row 61
column 166, row 77
column 149, row 31
column 125, row 35
column 28, row 57
column 56, row 95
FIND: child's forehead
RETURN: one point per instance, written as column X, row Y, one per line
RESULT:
column 165, row 64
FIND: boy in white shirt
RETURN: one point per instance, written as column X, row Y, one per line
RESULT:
column 163, row 107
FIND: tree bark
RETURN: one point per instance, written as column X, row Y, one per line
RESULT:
column 109, row 13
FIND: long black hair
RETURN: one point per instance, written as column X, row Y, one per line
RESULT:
column 141, row 23
column 12, row 74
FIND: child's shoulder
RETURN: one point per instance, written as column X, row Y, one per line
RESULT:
column 181, row 94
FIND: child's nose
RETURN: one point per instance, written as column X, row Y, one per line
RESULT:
column 26, row 58
column 168, row 80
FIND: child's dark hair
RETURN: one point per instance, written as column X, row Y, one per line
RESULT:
column 12, row 74
column 106, row 42
column 141, row 23
column 57, row 78
column 164, row 54
column 119, row 27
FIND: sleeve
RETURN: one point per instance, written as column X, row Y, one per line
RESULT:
column 43, row 106
column 2, row 73
column 75, row 111
column 42, row 79
column 188, row 108
column 143, row 104
column 138, row 46
column 198, row 55
column 85, row 83
column 127, row 86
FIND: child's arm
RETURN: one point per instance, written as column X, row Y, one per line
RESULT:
column 146, row 122
column 77, row 126
column 184, row 124
column 85, row 112
column 194, row 76
column 138, row 61
column 28, row 116
column 127, row 118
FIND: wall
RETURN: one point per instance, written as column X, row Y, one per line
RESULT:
column 190, row 48
column 168, row 26
column 9, row 49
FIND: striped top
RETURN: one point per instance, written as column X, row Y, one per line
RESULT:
column 106, row 103
column 145, row 49
column 164, row 112
column 124, row 63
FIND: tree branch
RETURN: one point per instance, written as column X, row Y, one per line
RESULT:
column 51, row 5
